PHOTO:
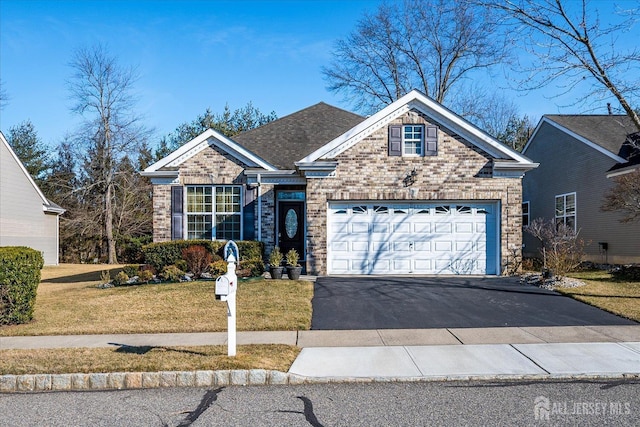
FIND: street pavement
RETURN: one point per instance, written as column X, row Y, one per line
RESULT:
column 415, row 354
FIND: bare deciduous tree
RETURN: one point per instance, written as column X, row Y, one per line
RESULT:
column 430, row 45
column 573, row 46
column 102, row 92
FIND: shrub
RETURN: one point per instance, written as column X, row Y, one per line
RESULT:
column 275, row 259
column 251, row 267
column 19, row 279
column 130, row 248
column 145, row 276
column 562, row 251
column 131, row 270
column 197, row 259
column 218, row 268
column 627, row 272
column 162, row 254
column 120, row 279
column 292, row 258
column 172, row 273
column 181, row 264
column 105, row 276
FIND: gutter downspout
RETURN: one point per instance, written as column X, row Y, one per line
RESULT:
column 259, row 210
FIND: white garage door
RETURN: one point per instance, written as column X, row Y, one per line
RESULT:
column 412, row 238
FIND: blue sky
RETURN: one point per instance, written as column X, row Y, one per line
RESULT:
column 191, row 55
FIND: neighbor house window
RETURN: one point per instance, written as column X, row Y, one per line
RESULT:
column 566, row 210
column 525, row 214
column 214, row 212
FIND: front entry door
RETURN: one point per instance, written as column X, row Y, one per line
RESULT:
column 291, row 227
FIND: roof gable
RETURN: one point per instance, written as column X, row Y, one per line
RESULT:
column 47, row 205
column 167, row 165
column 292, row 137
column 431, row 109
column 604, row 133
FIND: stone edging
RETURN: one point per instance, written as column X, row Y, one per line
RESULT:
column 139, row 380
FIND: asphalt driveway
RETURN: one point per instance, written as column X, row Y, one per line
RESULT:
column 448, row 302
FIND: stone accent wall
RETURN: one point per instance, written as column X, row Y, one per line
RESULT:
column 460, row 171
column 268, row 218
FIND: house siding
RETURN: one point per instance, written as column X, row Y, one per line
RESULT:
column 568, row 165
column 366, row 172
column 23, row 221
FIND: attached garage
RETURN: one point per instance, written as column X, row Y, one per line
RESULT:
column 434, row 237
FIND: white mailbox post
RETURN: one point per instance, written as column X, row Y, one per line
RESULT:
column 226, row 287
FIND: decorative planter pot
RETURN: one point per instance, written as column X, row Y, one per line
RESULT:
column 276, row 272
column 294, row 272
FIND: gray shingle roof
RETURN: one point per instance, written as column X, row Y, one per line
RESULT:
column 608, row 131
column 293, row 137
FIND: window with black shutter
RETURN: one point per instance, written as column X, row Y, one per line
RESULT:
column 413, row 140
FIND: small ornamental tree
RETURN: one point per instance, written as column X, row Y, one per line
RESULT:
column 561, row 249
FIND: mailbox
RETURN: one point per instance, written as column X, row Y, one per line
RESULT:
column 223, row 287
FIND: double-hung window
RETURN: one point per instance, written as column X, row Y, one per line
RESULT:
column 214, row 212
column 566, row 210
column 413, row 140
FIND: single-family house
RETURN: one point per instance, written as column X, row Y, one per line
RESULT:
column 579, row 156
column 412, row 189
column 27, row 218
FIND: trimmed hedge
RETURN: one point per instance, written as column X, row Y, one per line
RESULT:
column 19, row 278
column 162, row 254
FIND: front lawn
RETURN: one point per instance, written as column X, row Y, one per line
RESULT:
column 69, row 303
column 145, row 359
column 603, row 291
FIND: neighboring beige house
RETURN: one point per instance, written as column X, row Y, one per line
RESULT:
column 27, row 218
column 578, row 156
column 412, row 189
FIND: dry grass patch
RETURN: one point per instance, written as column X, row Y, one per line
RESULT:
column 603, row 291
column 68, row 303
column 145, row 359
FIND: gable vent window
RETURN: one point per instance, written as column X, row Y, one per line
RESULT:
column 413, row 140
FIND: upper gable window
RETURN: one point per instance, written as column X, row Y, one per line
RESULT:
column 413, row 140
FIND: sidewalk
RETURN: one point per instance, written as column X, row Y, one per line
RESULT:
column 420, row 354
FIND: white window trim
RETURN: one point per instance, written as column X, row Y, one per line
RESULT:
column 404, row 141
column 528, row 214
column 565, row 216
column 213, row 208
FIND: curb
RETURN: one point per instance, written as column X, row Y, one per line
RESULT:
column 166, row 379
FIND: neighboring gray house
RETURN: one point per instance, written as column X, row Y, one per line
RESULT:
column 578, row 156
column 412, row 189
column 27, row 218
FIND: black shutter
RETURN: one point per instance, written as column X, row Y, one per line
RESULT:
column 395, row 140
column 248, row 214
column 177, row 213
column 431, row 141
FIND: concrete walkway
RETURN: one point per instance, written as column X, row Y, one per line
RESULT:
column 414, row 353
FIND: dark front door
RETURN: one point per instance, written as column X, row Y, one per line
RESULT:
column 291, row 227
